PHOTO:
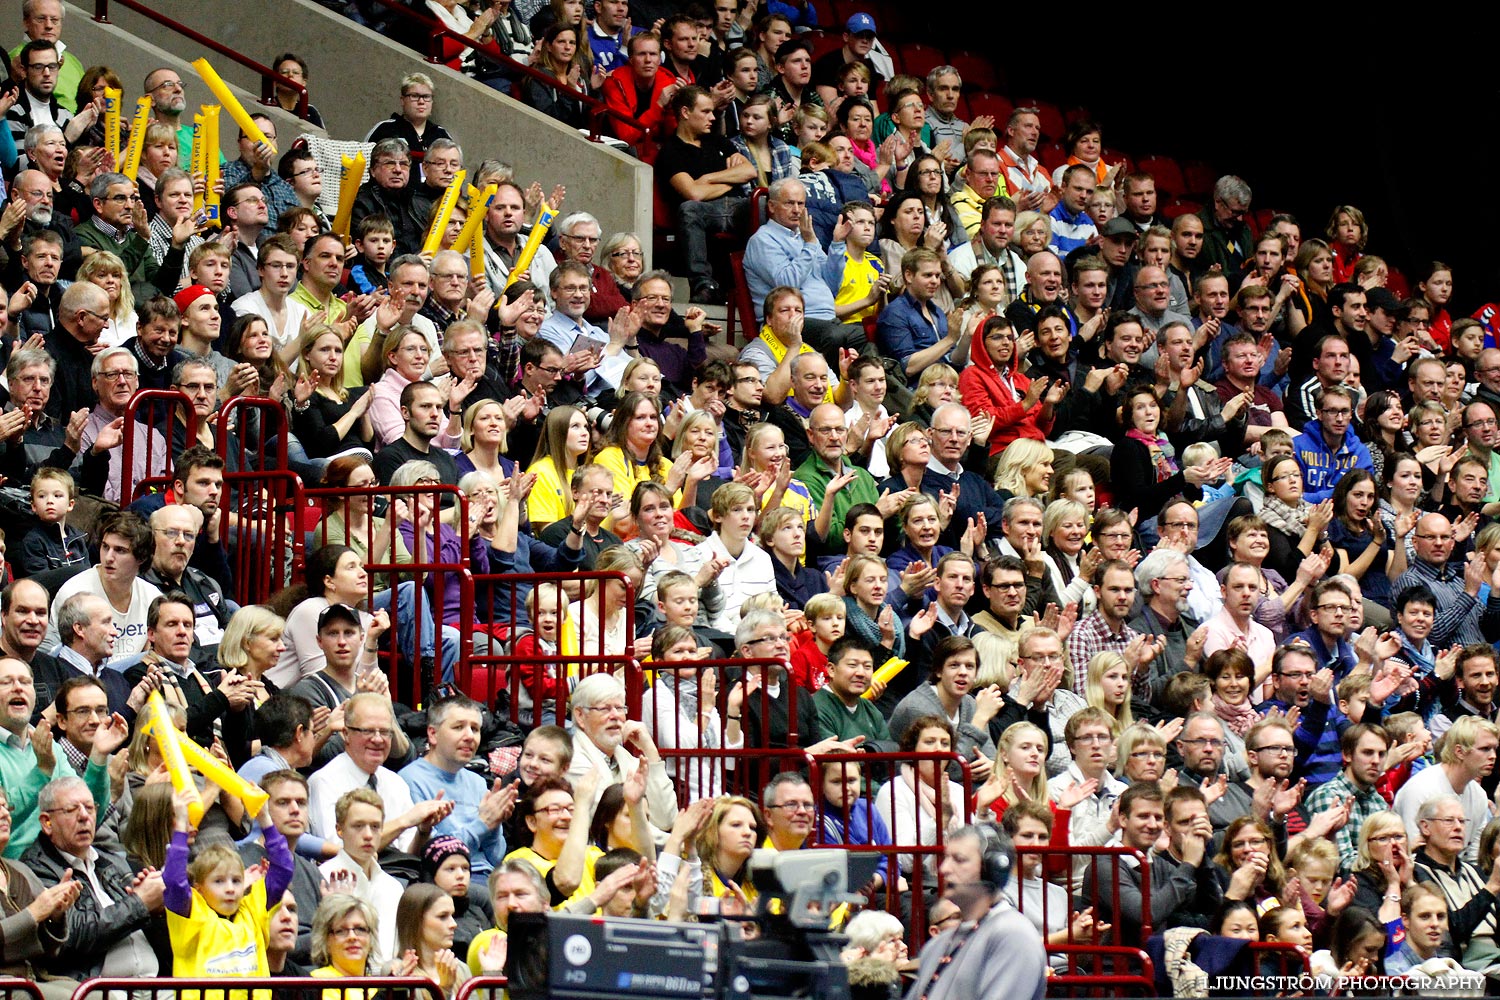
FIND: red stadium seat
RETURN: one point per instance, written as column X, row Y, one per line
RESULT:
column 997, row 106
column 1168, row 174
column 827, row 16
column 1259, row 220
column 1052, row 155
column 1180, row 206
column 1049, row 114
column 919, row 60
column 1396, row 282
column 1113, row 156
column 978, row 73
column 1199, row 178
column 1076, row 114
column 824, row 43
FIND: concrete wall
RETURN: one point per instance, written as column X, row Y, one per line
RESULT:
column 355, row 82
column 133, row 55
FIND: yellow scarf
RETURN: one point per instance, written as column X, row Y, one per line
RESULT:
column 778, row 353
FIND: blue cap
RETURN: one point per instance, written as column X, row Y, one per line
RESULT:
column 860, row 22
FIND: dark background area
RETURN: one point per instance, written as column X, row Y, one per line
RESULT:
column 1399, row 120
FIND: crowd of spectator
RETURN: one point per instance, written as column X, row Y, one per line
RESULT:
column 1109, row 529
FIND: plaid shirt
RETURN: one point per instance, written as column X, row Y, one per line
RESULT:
column 1458, row 612
column 782, row 165
column 1366, row 804
column 1090, row 637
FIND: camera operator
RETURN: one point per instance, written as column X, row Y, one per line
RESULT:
column 994, row 953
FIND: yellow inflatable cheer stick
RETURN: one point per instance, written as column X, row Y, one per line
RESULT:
column 889, row 669
column 211, row 160
column 214, row 770
column 132, row 165
column 478, row 205
column 112, row 125
column 180, row 750
column 196, row 162
column 434, row 240
column 231, row 104
column 539, row 229
column 159, row 724
column 349, row 180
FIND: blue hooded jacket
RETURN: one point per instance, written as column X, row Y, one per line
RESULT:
column 1322, row 469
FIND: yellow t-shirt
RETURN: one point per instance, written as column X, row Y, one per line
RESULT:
column 629, row 474
column 206, row 945
column 329, row 972
column 859, row 278
column 476, row 948
column 544, row 865
column 550, row 499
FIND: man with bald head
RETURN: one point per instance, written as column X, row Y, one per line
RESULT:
column 1044, row 287
column 786, row 251
column 826, row 431
column 1460, row 616
column 949, row 437
column 35, row 189
column 175, row 529
column 805, row 380
column 83, row 313
column 24, row 605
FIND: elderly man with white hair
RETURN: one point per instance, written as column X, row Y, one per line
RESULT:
column 578, row 240
column 1164, row 580
column 601, row 728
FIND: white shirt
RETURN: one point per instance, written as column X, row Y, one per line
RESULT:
column 1429, row 783
column 294, row 312
column 130, row 624
column 341, row 775
column 752, row 573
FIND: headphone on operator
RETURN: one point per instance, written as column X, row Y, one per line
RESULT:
column 995, row 859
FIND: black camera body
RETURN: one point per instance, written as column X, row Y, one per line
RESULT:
column 784, row 950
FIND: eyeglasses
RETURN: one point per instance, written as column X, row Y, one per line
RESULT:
column 1287, row 477
column 1341, row 412
column 369, row 734
column 1093, row 739
column 1389, row 838
column 580, row 239
column 167, row 85
column 1435, row 538
column 1486, row 422
column 89, row 711
column 746, row 379
column 1175, row 579
column 780, row 639
column 306, row 171
column 416, row 97
column 1207, row 742
column 44, row 67
column 839, row 429
column 76, row 810
column 1338, row 609
column 557, row 810
column 664, row 300
column 340, row 932
column 174, row 534
column 1045, row 658
column 608, row 710
column 1179, row 524
column 466, row 352
column 795, row 807
column 1450, row 820
column 118, row 376
column 1148, row 755
column 549, row 369
column 1113, row 536
column 955, row 432
column 451, row 275
column 1008, row 586
column 626, row 254
column 428, row 481
column 1278, row 751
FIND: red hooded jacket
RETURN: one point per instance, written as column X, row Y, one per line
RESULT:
column 619, row 95
column 984, row 391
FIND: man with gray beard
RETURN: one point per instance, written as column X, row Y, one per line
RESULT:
column 30, row 211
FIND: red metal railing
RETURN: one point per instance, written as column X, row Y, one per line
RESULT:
column 269, row 78
column 12, row 988
column 345, row 987
column 411, row 687
column 489, row 984
column 535, row 682
column 439, row 38
column 157, row 423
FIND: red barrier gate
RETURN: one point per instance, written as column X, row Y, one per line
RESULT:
column 146, row 454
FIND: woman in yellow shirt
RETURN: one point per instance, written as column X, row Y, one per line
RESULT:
column 766, row 455
column 633, row 454
column 733, row 831
column 563, row 443
column 343, row 934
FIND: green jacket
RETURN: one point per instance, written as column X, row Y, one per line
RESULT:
column 839, row 722
column 815, row 474
column 23, row 782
